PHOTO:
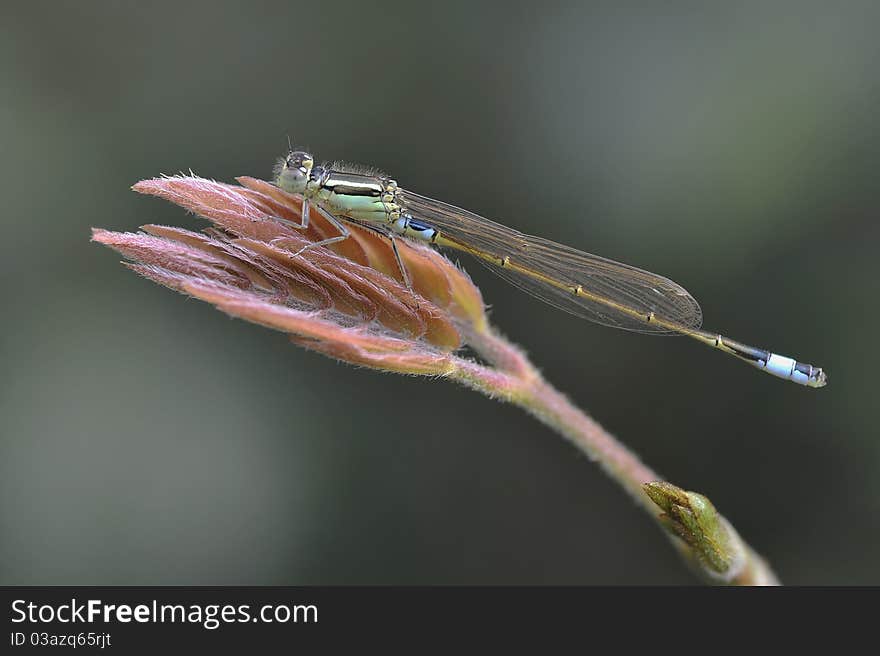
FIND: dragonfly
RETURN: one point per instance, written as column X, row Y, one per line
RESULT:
column 588, row 286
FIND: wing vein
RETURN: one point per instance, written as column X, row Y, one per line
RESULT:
column 616, row 294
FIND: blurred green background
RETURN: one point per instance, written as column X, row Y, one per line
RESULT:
column 148, row 439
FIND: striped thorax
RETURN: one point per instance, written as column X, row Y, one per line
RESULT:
column 359, row 194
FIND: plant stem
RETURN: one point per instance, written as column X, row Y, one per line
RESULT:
column 514, row 378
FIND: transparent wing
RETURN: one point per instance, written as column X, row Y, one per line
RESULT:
column 614, row 294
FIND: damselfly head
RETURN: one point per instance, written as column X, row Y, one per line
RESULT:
column 293, row 171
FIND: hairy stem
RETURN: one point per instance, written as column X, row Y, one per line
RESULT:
column 706, row 540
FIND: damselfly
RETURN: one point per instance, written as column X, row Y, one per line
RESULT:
column 588, row 286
